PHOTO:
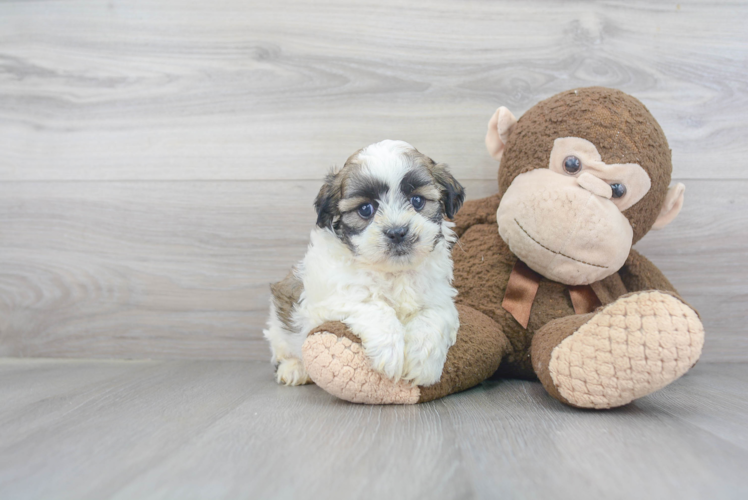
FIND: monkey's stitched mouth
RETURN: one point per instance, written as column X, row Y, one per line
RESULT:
column 555, row 252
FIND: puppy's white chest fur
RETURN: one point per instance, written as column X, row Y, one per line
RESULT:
column 401, row 292
column 335, row 283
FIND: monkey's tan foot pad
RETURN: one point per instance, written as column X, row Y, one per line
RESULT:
column 339, row 366
column 631, row 348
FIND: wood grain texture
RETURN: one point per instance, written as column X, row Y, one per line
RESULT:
column 158, row 159
column 175, row 89
column 182, row 269
column 207, row 429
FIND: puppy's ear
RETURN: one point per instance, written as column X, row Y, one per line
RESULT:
column 326, row 203
column 453, row 194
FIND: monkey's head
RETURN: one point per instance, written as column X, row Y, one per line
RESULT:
column 584, row 175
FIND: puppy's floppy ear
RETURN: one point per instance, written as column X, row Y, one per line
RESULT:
column 453, row 194
column 326, row 203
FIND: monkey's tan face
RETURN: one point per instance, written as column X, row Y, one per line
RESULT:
column 565, row 222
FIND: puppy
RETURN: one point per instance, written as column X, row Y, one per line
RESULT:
column 379, row 261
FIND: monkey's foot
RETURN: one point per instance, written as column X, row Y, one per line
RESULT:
column 631, row 348
column 339, row 366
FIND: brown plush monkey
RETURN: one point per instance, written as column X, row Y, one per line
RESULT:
column 556, row 293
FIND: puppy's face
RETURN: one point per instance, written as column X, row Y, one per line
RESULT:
column 387, row 204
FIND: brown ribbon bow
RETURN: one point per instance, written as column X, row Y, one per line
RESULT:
column 523, row 286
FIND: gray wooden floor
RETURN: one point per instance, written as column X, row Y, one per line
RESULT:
column 223, row 429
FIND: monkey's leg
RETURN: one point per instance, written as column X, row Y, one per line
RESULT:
column 335, row 361
column 630, row 348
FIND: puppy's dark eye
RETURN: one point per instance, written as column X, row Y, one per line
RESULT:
column 366, row 210
column 618, row 189
column 572, row 164
column 418, row 202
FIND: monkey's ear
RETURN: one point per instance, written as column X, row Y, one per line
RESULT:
column 500, row 126
column 671, row 207
column 326, row 203
column 453, row 194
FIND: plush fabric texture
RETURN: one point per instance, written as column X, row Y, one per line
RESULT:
column 629, row 349
column 610, row 289
column 475, row 212
column 621, row 127
column 338, row 329
column 640, row 274
column 546, row 340
column 474, row 357
column 340, row 367
column 671, row 207
column 591, row 243
column 483, row 264
column 633, row 176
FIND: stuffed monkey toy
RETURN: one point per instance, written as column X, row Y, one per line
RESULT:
column 549, row 286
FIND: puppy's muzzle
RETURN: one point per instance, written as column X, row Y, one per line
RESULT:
column 396, row 234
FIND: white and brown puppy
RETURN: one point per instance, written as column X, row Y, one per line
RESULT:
column 379, row 261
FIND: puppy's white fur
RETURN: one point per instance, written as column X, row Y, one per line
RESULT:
column 402, row 307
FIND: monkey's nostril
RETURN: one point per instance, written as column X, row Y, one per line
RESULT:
column 397, row 234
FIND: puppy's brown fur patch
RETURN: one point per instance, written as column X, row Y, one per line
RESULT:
column 286, row 294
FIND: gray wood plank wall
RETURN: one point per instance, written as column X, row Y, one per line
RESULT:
column 158, row 160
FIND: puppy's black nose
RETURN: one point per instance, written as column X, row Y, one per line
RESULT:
column 396, row 234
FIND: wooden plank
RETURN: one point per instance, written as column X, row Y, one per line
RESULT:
column 181, row 269
column 720, row 387
column 48, row 390
column 284, row 89
column 25, row 384
column 209, row 429
column 126, row 426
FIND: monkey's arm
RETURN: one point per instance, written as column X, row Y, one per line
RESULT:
column 474, row 212
column 335, row 361
column 639, row 274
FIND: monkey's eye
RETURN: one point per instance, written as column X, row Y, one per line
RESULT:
column 618, row 189
column 366, row 210
column 572, row 164
column 418, row 202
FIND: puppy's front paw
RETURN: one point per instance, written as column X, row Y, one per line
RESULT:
column 387, row 355
column 291, row 371
column 424, row 362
